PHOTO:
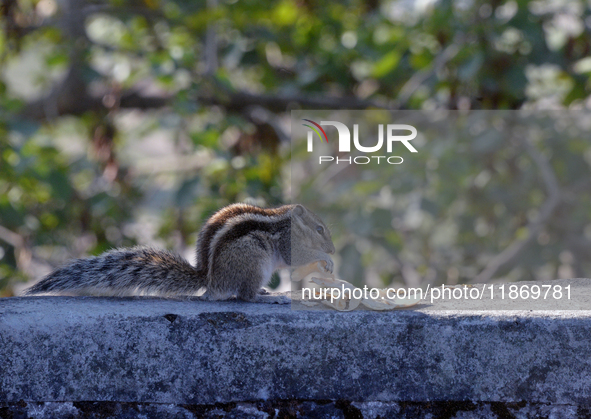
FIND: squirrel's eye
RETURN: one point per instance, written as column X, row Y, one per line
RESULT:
column 320, row 229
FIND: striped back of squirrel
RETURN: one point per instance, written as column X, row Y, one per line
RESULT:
column 235, row 219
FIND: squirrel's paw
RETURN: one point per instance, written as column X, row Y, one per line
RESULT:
column 322, row 267
column 329, row 265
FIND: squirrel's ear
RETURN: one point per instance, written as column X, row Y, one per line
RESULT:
column 299, row 209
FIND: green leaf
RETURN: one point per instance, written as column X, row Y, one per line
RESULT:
column 386, row 65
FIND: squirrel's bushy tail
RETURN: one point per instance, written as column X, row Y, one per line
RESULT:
column 122, row 272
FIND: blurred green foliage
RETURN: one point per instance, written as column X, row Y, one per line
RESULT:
column 490, row 195
column 127, row 122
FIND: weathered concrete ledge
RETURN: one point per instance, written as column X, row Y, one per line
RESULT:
column 157, row 352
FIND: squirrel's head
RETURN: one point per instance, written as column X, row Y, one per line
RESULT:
column 309, row 230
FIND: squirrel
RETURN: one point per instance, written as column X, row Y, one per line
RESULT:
column 238, row 249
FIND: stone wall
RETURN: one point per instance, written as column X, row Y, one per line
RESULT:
column 149, row 357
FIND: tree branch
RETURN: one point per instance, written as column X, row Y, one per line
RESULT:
column 10, row 237
column 71, row 98
column 420, row 77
